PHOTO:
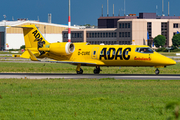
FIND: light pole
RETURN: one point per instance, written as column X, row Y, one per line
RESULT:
column 5, row 19
column 69, row 23
column 4, row 31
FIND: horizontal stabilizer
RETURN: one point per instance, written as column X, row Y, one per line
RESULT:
column 18, row 27
column 32, row 56
column 25, row 55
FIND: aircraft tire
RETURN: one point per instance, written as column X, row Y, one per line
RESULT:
column 97, row 71
column 80, row 72
column 157, row 71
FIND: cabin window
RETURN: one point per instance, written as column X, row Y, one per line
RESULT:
column 107, row 52
column 101, row 52
column 94, row 52
column 144, row 50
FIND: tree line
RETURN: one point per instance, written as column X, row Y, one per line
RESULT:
column 160, row 40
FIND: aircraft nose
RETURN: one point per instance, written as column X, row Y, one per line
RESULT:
column 170, row 62
column 173, row 62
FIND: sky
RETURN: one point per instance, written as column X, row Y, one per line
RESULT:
column 82, row 11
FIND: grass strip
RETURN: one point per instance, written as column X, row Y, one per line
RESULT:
column 87, row 99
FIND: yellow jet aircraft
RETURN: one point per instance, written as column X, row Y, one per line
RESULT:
column 83, row 54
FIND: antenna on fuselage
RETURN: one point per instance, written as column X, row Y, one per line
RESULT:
column 69, row 23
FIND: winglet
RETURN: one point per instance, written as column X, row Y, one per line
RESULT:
column 32, row 56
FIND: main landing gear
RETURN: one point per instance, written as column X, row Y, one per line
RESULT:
column 157, row 71
column 97, row 70
column 80, row 71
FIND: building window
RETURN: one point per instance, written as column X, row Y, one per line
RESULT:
column 164, row 29
column 122, row 25
column 125, row 25
column 115, row 34
column 65, row 35
column 119, row 25
column 95, row 35
column 92, row 35
column 101, row 35
column 119, row 34
column 72, row 35
column 149, row 28
column 106, row 34
column 109, row 34
column 175, row 25
column 122, row 34
column 128, row 25
column 80, row 35
column 129, row 34
column 77, row 35
column 125, row 34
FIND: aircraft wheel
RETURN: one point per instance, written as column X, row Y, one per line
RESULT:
column 97, row 70
column 80, row 72
column 157, row 71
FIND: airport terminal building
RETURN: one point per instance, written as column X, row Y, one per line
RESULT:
column 13, row 38
column 127, row 30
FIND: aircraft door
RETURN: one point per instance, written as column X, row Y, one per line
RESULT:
column 94, row 53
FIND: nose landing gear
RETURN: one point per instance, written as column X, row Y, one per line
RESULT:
column 157, row 71
column 78, row 69
column 80, row 72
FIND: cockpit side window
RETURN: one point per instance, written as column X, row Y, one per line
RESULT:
column 137, row 49
column 144, row 50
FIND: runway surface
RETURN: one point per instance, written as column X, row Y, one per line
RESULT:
column 75, row 76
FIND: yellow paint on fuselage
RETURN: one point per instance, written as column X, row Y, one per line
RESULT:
column 84, row 53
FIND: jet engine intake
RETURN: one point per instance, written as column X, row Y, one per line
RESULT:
column 64, row 48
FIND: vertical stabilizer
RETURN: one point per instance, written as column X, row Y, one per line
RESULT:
column 33, row 37
column 33, row 40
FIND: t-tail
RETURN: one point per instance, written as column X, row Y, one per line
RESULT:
column 38, row 47
column 34, row 41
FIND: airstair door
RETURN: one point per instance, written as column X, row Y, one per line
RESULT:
column 94, row 54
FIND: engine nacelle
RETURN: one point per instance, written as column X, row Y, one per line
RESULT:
column 64, row 48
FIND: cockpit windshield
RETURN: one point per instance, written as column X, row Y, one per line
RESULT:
column 144, row 50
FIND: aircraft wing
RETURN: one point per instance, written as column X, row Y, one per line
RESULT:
column 72, row 62
column 95, row 62
column 67, row 62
